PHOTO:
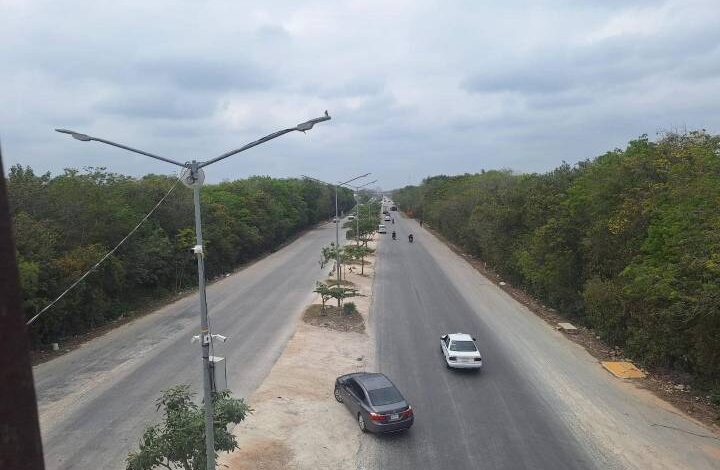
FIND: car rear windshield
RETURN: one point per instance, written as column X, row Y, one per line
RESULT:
column 384, row 396
column 463, row 346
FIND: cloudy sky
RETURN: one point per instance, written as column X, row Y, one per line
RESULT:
column 415, row 87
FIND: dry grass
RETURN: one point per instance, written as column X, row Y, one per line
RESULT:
column 343, row 282
column 334, row 318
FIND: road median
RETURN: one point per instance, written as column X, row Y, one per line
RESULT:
column 297, row 423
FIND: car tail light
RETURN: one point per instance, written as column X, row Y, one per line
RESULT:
column 377, row 417
column 452, row 358
column 407, row 413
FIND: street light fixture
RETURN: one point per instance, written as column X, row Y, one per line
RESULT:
column 337, row 217
column 194, row 177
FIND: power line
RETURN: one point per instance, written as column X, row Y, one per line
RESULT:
column 107, row 255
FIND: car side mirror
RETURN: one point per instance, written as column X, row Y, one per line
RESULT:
column 474, row 339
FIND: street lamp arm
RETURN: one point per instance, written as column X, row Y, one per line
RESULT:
column 87, row 138
column 356, row 178
column 302, row 127
column 358, row 187
column 246, row 147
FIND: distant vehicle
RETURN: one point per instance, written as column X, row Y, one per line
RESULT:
column 334, row 219
column 460, row 351
column 382, row 229
column 393, row 208
column 378, row 406
column 385, row 212
column 387, row 218
column 351, row 217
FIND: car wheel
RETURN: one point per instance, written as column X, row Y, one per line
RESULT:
column 361, row 423
column 338, row 395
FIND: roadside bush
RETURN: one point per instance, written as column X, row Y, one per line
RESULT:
column 349, row 308
column 179, row 440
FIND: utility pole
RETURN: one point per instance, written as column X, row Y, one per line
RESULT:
column 194, row 177
column 337, row 217
column 356, row 194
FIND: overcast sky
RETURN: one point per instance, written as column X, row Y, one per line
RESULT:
column 415, row 88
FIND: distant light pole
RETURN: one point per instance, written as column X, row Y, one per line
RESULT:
column 194, row 177
column 357, row 203
column 337, row 217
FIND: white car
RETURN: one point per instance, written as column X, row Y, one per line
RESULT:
column 460, row 351
column 387, row 218
column 382, row 229
column 351, row 217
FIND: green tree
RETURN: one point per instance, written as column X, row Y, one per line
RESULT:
column 179, row 441
column 358, row 253
column 626, row 243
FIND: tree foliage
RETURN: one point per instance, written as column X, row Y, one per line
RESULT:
column 628, row 243
column 64, row 224
column 336, row 292
column 179, row 441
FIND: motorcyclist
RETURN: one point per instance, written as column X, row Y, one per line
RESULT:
column 393, row 220
column 393, row 235
column 411, row 238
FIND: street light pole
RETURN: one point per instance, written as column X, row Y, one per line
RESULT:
column 356, row 190
column 337, row 238
column 204, row 331
column 194, row 178
column 337, row 217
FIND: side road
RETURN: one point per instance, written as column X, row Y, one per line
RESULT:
column 95, row 401
column 297, row 423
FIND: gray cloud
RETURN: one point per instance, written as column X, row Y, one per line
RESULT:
column 415, row 88
column 198, row 74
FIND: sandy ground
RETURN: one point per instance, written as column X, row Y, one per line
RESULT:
column 297, row 423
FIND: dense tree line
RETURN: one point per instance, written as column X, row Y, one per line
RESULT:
column 627, row 243
column 64, row 224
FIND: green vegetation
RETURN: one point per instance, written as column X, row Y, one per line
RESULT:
column 336, row 292
column 357, row 253
column 627, row 243
column 349, row 308
column 369, row 218
column 64, row 224
column 179, row 441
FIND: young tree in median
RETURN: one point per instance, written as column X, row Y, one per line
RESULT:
column 330, row 253
column 179, row 441
column 334, row 292
column 358, row 253
column 324, row 292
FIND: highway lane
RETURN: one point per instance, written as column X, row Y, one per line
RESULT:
column 541, row 402
column 95, row 401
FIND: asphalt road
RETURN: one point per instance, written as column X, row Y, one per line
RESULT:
column 95, row 401
column 541, row 401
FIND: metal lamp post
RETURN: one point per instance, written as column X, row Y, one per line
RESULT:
column 337, row 217
column 357, row 204
column 194, row 177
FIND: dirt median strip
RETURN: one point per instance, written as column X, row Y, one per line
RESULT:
column 297, row 424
